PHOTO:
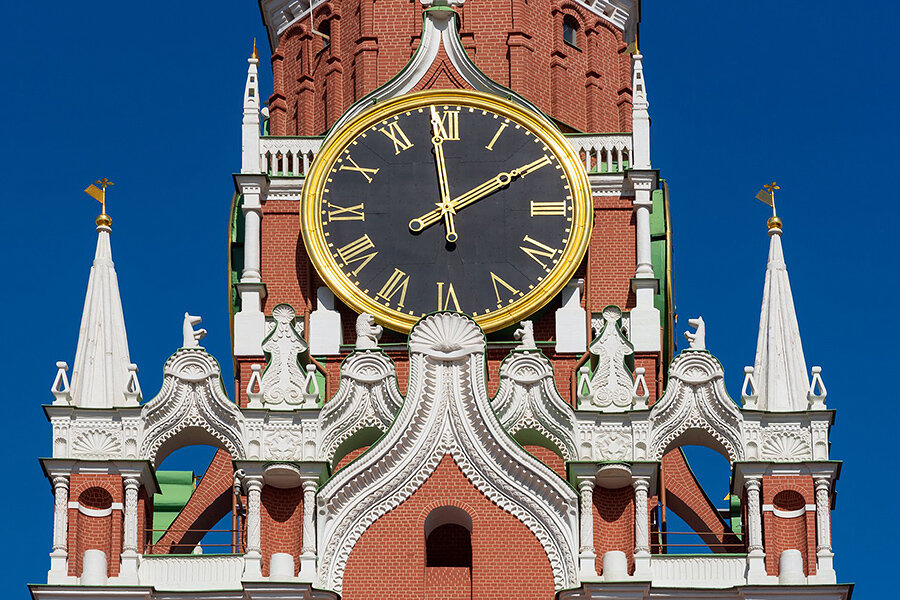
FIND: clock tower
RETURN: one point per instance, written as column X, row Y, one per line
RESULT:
column 453, row 331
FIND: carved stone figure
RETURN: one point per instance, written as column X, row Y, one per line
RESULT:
column 367, row 332
column 697, row 338
column 191, row 337
column 611, row 387
column 284, row 378
column 525, row 334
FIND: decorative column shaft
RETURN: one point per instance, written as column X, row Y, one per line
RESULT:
column 642, row 206
column 309, row 521
column 254, row 519
column 130, row 542
column 823, row 515
column 587, row 517
column 252, row 219
column 754, row 517
column 641, row 525
column 60, row 514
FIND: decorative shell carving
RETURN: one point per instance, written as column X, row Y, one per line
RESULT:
column 97, row 443
column 788, row 446
column 446, row 336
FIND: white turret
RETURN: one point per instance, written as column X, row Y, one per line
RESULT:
column 250, row 123
column 780, row 368
column 101, row 371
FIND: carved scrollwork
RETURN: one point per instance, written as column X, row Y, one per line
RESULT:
column 695, row 408
column 611, row 387
column 284, row 381
column 193, row 401
column 528, row 399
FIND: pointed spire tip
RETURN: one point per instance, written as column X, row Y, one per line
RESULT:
column 255, row 53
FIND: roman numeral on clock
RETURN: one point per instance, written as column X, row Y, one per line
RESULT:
column 365, row 172
column 447, row 123
column 536, row 249
column 350, row 213
column 548, row 209
column 444, row 300
column 357, row 252
column 396, row 135
column 496, row 136
column 396, row 284
column 495, row 279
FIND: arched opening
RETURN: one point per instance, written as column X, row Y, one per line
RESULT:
column 195, row 511
column 93, row 520
column 448, row 538
column 696, row 514
column 570, row 30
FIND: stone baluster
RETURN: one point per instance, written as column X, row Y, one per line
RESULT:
column 128, row 572
column 308, row 556
column 253, row 555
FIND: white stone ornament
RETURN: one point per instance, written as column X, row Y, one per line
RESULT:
column 192, row 404
column 528, row 400
column 367, row 332
column 611, row 387
column 696, row 338
column 190, row 337
column 284, row 382
column 525, row 335
column 446, row 412
column 367, row 398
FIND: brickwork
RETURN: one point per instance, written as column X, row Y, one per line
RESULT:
column 549, row 458
column 208, row 504
column 614, row 523
column 587, row 87
column 282, row 523
column 96, row 492
column 797, row 533
column 388, row 561
column 448, row 583
column 686, row 498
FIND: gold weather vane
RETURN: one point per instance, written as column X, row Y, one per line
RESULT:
column 767, row 195
column 99, row 194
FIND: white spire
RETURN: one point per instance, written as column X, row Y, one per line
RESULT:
column 101, row 368
column 250, row 123
column 780, row 369
column 640, row 114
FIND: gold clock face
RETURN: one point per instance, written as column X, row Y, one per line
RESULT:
column 446, row 200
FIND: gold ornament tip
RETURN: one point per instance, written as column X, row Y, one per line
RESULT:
column 774, row 223
column 255, row 53
column 104, row 221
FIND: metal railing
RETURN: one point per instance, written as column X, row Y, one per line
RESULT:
column 235, row 546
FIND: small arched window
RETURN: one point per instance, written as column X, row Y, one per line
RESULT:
column 570, row 30
column 325, row 32
column 448, row 538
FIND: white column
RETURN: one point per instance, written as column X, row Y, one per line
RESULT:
column 59, row 567
column 641, row 529
column 128, row 571
column 642, row 205
column 252, row 218
column 824, row 554
column 253, row 555
column 756, row 557
column 645, row 325
column 587, row 555
column 308, row 556
column 250, row 322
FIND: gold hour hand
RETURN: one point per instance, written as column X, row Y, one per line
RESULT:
column 437, row 141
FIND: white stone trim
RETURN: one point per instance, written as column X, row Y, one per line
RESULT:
column 96, row 512
column 788, row 514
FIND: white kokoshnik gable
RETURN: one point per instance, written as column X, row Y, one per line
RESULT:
column 446, row 411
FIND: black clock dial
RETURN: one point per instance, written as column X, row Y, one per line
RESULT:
column 446, row 206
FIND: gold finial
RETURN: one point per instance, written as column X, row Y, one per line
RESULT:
column 99, row 194
column 767, row 195
column 255, row 53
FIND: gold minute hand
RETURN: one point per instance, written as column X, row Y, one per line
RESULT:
column 477, row 193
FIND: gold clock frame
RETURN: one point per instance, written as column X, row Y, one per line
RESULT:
column 543, row 292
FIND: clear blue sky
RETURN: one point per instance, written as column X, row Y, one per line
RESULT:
column 740, row 93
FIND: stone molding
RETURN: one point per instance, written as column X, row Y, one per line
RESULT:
column 446, row 412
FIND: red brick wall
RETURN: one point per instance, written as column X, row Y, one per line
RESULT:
column 799, row 533
column 517, row 44
column 448, row 583
column 614, row 523
column 388, row 561
column 282, row 523
column 97, row 492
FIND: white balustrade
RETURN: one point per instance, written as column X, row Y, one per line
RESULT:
column 191, row 572
column 292, row 156
column 707, row 571
column 603, row 153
